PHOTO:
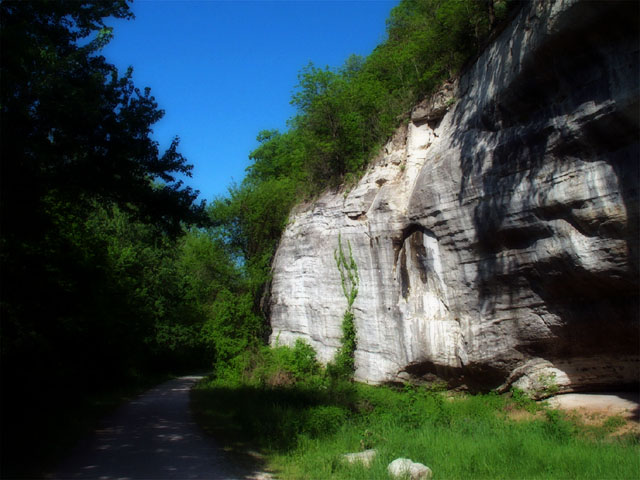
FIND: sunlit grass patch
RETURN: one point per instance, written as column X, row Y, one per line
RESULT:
column 305, row 428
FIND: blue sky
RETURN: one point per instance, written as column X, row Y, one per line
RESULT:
column 225, row 70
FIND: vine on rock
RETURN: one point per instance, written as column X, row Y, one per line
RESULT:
column 344, row 364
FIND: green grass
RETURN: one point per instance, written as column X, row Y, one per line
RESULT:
column 304, row 428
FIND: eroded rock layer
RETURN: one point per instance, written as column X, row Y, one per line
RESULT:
column 496, row 238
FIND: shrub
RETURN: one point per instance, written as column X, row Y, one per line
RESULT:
column 283, row 365
column 304, row 363
column 611, row 424
column 557, row 426
column 324, row 420
column 523, row 400
column 547, row 385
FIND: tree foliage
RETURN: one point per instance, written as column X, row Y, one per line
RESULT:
column 73, row 129
column 90, row 208
column 345, row 114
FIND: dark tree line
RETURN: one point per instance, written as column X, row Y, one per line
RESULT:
column 77, row 157
column 109, row 266
column 107, row 269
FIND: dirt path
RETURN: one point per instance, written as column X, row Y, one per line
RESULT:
column 623, row 404
column 152, row 437
column 618, row 412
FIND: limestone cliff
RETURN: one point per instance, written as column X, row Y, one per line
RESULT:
column 497, row 233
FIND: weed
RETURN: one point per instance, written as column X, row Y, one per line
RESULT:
column 343, row 365
column 547, row 385
column 613, row 423
column 523, row 400
column 324, row 420
column 436, row 386
column 303, row 433
column 557, row 426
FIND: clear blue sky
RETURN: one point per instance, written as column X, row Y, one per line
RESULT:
column 225, row 70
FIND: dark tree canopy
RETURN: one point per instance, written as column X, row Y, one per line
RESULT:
column 76, row 146
column 73, row 130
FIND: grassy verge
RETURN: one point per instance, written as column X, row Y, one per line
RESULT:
column 40, row 429
column 303, row 427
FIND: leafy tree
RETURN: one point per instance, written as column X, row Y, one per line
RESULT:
column 233, row 328
column 72, row 128
column 160, row 289
column 251, row 220
column 279, row 155
column 76, row 143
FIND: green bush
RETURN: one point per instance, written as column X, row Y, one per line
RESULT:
column 283, row 365
column 305, row 364
column 523, row 400
column 324, row 420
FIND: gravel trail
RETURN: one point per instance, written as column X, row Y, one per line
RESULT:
column 626, row 404
column 152, row 437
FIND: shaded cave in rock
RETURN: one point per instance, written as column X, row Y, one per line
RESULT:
column 475, row 378
column 422, row 257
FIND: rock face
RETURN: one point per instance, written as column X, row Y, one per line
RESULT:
column 496, row 235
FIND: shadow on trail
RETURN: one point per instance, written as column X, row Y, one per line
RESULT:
column 154, row 436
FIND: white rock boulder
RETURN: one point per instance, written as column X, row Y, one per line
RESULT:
column 403, row 468
column 364, row 458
